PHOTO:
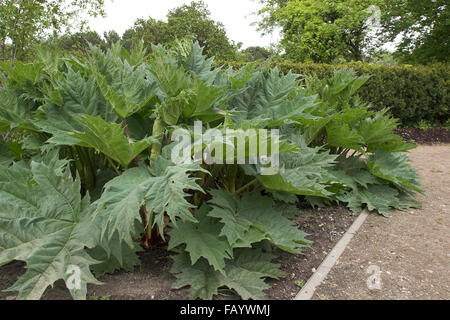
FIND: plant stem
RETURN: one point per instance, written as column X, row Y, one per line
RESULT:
column 149, row 226
column 158, row 133
column 127, row 133
column 113, row 166
column 176, row 250
column 248, row 185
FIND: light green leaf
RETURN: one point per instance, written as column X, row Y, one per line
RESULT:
column 378, row 134
column 394, row 167
column 339, row 134
column 235, row 226
column 45, row 223
column 6, row 157
column 203, row 98
column 381, row 198
column 302, row 173
column 197, row 63
column 110, row 139
column 126, row 88
column 114, row 255
column 201, row 277
column 163, row 191
column 201, row 240
column 120, row 204
column 245, row 275
column 81, row 96
column 242, row 218
column 15, row 112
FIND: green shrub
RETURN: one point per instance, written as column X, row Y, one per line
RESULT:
column 412, row 93
column 87, row 178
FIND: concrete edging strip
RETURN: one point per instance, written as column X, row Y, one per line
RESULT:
column 317, row 278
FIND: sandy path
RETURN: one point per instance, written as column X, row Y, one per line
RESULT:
column 411, row 249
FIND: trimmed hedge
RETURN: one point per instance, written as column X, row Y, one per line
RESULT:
column 412, row 93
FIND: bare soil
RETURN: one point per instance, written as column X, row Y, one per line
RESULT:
column 412, row 249
column 430, row 136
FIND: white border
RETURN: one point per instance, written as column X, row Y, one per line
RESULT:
column 317, row 278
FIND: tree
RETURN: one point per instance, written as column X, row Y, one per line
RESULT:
column 22, row 22
column 255, row 53
column 187, row 21
column 422, row 27
column 150, row 31
column 319, row 30
column 79, row 42
column 195, row 20
column 111, row 37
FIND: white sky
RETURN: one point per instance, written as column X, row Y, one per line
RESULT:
column 236, row 15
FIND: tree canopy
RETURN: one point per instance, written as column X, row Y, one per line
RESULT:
column 423, row 28
column 23, row 22
column 319, row 30
column 189, row 20
column 334, row 30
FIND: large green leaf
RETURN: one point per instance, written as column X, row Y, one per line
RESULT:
column 303, row 173
column 245, row 275
column 162, row 191
column 235, row 226
column 292, row 111
column 201, row 240
column 194, row 61
column 204, row 98
column 114, row 255
column 15, row 112
column 201, row 277
column 120, row 204
column 339, row 134
column 378, row 134
column 110, row 139
column 275, row 90
column 394, row 167
column 81, row 96
column 6, row 157
column 172, row 108
column 23, row 76
column 45, row 223
column 254, row 217
column 127, row 88
column 353, row 172
column 381, row 198
column 263, row 92
column 171, row 77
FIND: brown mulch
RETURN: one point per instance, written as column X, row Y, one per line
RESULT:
column 434, row 135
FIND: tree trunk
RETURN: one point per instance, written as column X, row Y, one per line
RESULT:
column 4, row 50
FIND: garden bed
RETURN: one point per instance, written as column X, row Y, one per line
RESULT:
column 428, row 136
column 112, row 174
column 152, row 279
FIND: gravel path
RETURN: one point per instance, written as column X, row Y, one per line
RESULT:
column 411, row 250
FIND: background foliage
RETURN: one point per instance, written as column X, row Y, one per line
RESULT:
column 24, row 22
column 423, row 26
column 319, row 30
column 412, row 93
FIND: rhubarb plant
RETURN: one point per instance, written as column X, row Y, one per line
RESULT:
column 88, row 178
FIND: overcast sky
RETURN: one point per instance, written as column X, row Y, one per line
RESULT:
column 236, row 15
